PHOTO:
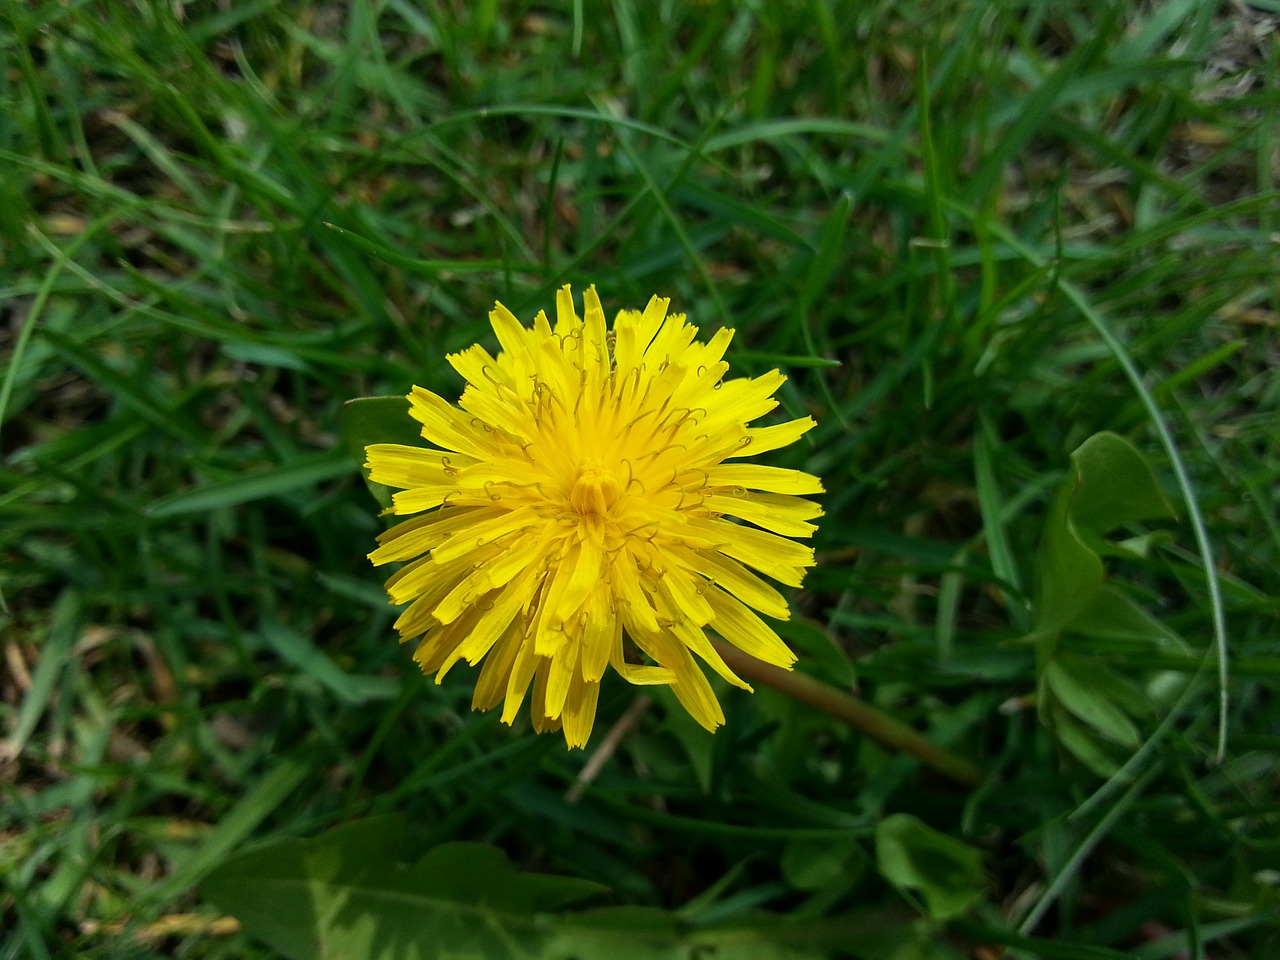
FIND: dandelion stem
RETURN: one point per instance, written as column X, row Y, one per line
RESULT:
column 878, row 725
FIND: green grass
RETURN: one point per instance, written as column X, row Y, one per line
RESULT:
column 1013, row 225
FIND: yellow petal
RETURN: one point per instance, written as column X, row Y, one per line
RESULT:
column 757, row 477
column 782, row 559
column 504, row 419
column 601, row 629
column 748, row 632
column 564, row 667
column 584, row 580
column 695, row 694
column 626, row 580
column 492, row 620
column 522, row 670
column 670, row 341
column 447, row 426
column 737, row 579
column 491, row 685
column 401, row 465
column 421, row 498
column 743, row 400
column 595, row 349
column 644, row 675
column 693, row 638
column 710, row 355
column 764, row 439
column 655, row 643
column 511, row 334
column 684, row 595
column 422, row 534
column 777, row 513
column 438, row 644
column 566, row 316
column 484, row 532
column 479, row 368
column 580, row 711
column 435, row 584
column 423, row 578
column 538, row 706
column 633, row 332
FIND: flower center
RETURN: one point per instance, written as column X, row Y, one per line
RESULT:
column 595, row 490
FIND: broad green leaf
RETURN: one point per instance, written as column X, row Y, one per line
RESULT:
column 1114, row 485
column 946, row 872
column 1110, row 684
column 346, row 896
column 1110, row 484
column 377, row 420
column 1076, row 685
column 1085, row 745
column 1069, row 574
column 1090, row 707
column 1114, row 615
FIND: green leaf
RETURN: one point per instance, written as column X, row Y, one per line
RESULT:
column 1080, row 688
column 946, row 872
column 1114, row 485
column 377, row 420
column 1110, row 484
column 1069, row 573
column 1082, row 699
column 1113, row 615
column 1090, row 749
column 345, row 896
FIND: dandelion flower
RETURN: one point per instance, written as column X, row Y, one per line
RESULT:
column 580, row 509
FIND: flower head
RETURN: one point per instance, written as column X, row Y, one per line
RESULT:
column 585, row 494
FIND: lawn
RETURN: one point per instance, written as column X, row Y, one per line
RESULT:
column 1019, row 261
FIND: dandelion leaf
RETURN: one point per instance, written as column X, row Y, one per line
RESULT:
column 345, row 895
column 1082, row 617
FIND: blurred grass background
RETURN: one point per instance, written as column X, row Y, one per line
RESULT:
column 219, row 221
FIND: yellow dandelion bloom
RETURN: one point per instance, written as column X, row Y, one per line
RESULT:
column 584, row 494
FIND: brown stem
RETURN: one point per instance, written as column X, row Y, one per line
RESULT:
column 876, row 724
